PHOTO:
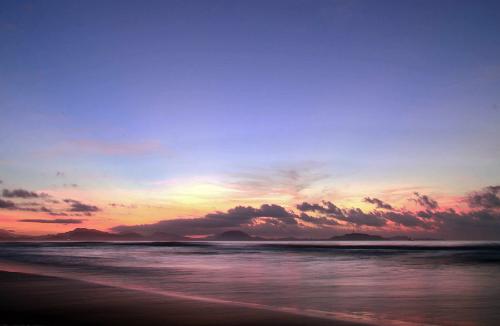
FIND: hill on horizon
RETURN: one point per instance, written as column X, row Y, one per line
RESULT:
column 236, row 235
column 357, row 237
column 85, row 234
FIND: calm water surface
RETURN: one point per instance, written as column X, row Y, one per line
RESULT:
column 441, row 283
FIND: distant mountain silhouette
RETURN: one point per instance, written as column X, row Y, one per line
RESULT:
column 357, row 237
column 163, row 236
column 370, row 237
column 9, row 236
column 236, row 235
column 289, row 239
column 83, row 234
column 399, row 238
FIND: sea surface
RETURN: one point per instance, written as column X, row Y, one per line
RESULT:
column 398, row 283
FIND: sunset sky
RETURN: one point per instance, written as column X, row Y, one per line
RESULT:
column 280, row 118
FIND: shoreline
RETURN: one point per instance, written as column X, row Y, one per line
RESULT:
column 47, row 300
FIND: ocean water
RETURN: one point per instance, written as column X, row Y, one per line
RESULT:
column 399, row 283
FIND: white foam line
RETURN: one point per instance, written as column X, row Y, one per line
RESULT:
column 339, row 316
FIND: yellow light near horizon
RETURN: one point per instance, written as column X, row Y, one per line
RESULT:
column 197, row 193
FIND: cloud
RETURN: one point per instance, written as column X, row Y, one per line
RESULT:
column 44, row 209
column 353, row 216
column 115, row 205
column 275, row 221
column 21, row 193
column 488, row 198
column 407, row 219
column 482, row 224
column 425, row 201
column 77, row 206
column 239, row 216
column 357, row 217
column 425, row 214
column 264, row 219
column 326, row 207
column 277, row 182
column 323, row 219
column 28, row 207
column 7, row 204
column 379, row 203
column 320, row 220
column 53, row 221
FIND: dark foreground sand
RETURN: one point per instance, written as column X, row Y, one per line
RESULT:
column 39, row 300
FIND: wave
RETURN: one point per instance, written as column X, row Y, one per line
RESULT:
column 365, row 318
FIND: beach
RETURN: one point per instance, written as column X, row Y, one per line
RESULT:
column 40, row 300
column 249, row 283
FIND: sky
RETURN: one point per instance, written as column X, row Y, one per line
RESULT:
column 162, row 115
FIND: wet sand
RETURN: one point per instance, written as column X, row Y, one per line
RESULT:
column 40, row 300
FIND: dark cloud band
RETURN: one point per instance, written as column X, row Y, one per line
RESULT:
column 53, row 221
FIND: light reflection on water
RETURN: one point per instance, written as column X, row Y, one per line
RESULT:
column 449, row 283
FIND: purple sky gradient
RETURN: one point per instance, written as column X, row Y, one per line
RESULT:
column 363, row 96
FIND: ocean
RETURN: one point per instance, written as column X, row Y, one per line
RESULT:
column 389, row 283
